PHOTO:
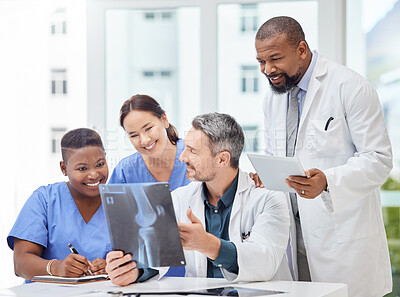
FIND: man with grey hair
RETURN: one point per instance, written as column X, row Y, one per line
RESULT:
column 228, row 227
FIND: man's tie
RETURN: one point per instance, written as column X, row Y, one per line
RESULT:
column 292, row 122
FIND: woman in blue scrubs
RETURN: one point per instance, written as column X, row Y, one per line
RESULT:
column 66, row 212
column 156, row 142
column 158, row 149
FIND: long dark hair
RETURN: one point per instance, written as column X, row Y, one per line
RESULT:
column 146, row 103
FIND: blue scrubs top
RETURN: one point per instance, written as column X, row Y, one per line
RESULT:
column 132, row 169
column 51, row 218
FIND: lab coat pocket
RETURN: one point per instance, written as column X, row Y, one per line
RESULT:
column 356, row 221
column 328, row 138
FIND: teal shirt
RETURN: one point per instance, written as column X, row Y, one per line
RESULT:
column 217, row 223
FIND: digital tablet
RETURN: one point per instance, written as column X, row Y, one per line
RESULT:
column 141, row 221
column 273, row 170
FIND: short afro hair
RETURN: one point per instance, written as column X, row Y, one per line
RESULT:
column 79, row 138
column 282, row 25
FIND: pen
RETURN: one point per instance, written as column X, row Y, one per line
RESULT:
column 74, row 251
column 327, row 123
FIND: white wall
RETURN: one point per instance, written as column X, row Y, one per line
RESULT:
column 28, row 110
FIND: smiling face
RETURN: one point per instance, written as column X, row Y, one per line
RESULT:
column 200, row 161
column 280, row 62
column 86, row 168
column 147, row 132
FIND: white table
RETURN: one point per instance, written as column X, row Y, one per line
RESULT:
column 170, row 284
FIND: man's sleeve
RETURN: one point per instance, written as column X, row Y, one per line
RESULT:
column 371, row 164
column 146, row 273
column 260, row 255
column 227, row 257
column 268, row 147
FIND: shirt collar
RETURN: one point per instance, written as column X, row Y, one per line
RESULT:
column 229, row 195
column 305, row 80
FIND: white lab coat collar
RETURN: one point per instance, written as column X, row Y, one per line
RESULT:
column 320, row 69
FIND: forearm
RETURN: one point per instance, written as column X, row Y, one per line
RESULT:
column 211, row 247
column 29, row 265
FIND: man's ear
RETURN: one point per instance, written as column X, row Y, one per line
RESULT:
column 63, row 168
column 302, row 49
column 223, row 159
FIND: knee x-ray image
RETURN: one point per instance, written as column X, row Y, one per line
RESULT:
column 141, row 221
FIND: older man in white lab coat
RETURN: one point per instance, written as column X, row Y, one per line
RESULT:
column 228, row 227
column 330, row 118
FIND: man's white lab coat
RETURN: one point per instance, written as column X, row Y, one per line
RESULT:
column 343, row 229
column 262, row 213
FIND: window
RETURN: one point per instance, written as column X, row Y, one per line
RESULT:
column 249, row 79
column 165, row 73
column 52, row 45
column 249, row 18
column 139, row 36
column 58, row 25
column 165, row 65
column 373, row 47
column 157, row 74
column 251, row 138
column 158, row 16
column 56, row 135
column 148, row 73
column 166, row 15
column 59, row 81
column 240, row 84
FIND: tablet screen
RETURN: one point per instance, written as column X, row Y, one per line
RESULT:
column 274, row 170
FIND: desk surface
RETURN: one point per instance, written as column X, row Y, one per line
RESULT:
column 169, row 284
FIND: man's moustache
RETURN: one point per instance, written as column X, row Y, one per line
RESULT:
column 272, row 76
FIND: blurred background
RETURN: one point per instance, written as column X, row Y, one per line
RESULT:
column 69, row 64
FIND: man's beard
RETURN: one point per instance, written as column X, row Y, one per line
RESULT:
column 205, row 177
column 290, row 82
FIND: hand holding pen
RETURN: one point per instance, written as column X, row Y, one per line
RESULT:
column 75, row 252
column 74, row 265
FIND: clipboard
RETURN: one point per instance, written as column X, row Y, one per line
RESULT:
column 70, row 280
column 274, row 170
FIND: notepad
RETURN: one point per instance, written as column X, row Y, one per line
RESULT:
column 70, row 280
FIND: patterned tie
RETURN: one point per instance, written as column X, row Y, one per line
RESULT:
column 292, row 122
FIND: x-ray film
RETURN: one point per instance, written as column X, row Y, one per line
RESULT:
column 141, row 221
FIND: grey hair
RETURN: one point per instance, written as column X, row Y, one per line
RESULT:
column 224, row 132
column 282, row 25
